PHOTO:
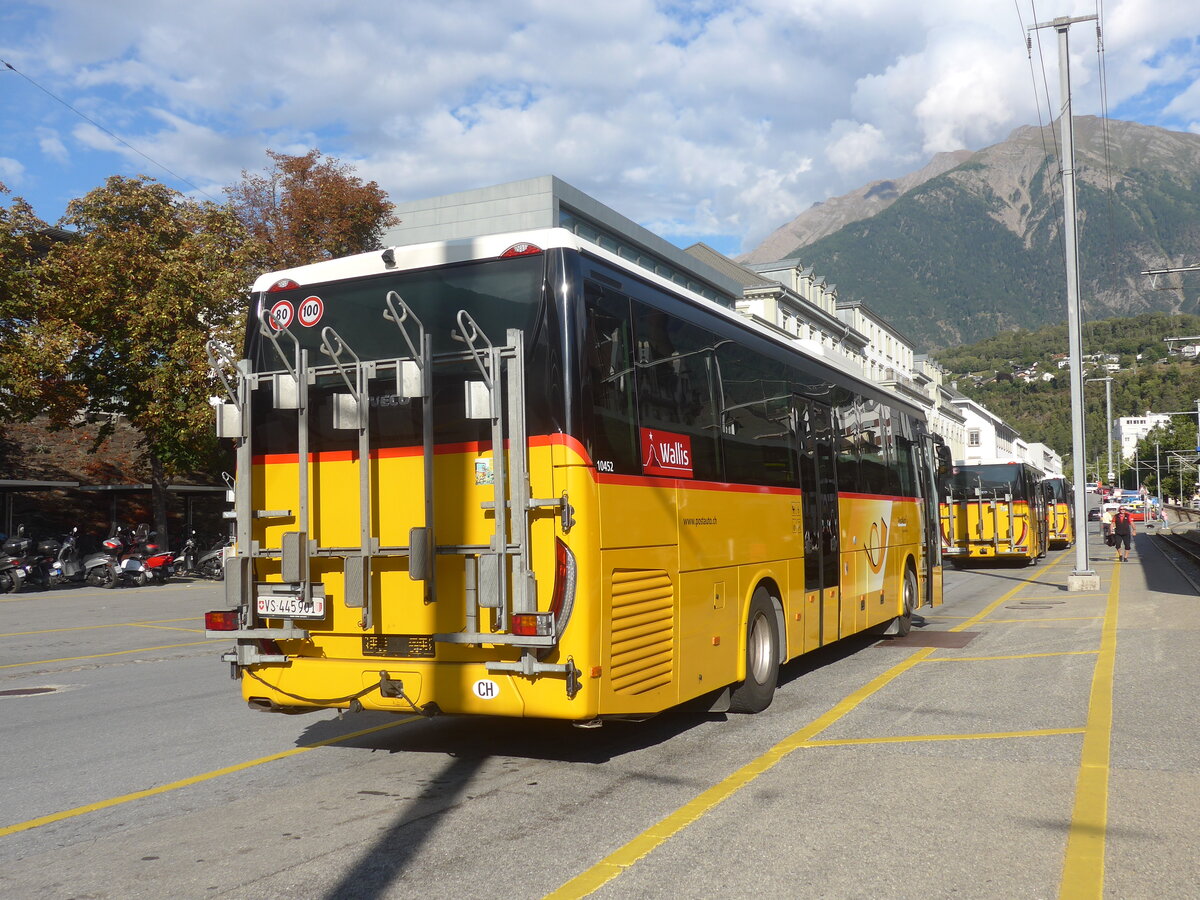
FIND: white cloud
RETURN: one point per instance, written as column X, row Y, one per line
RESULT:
column 697, row 116
column 11, row 171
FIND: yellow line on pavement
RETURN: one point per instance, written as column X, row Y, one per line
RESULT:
column 91, row 627
column 1083, row 867
column 623, row 857
column 46, row 662
column 195, row 779
column 938, row 659
column 922, row 738
column 1040, row 619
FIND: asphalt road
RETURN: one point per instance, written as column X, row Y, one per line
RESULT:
column 1055, row 754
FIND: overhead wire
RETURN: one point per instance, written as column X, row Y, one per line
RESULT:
column 115, row 137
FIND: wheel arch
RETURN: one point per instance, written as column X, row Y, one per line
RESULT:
column 770, row 584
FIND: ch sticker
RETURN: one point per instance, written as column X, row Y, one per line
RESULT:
column 486, row 689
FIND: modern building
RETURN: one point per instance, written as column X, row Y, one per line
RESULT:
column 1131, row 429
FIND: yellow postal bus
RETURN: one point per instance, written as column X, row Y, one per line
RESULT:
column 1060, row 512
column 523, row 475
column 996, row 511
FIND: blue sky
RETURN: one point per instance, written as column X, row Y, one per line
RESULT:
column 715, row 120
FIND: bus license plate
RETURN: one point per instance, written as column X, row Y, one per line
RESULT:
column 291, row 606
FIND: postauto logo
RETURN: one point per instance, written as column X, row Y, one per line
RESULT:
column 666, row 453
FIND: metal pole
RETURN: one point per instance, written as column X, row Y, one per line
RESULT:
column 1108, row 421
column 1083, row 578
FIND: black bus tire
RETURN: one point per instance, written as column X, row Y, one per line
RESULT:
column 912, row 599
column 762, row 657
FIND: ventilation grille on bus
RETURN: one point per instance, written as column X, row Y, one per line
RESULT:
column 643, row 638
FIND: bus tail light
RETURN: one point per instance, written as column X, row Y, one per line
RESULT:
column 283, row 284
column 533, row 624
column 524, row 248
column 221, row 620
column 565, row 573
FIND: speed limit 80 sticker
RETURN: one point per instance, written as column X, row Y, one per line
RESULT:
column 310, row 311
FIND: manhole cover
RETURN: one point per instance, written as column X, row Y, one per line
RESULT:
column 949, row 639
column 1031, row 606
column 26, row 692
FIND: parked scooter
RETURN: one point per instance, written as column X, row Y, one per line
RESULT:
column 131, row 562
column 97, row 569
column 160, row 562
column 186, row 557
column 12, row 573
column 32, row 557
column 212, row 564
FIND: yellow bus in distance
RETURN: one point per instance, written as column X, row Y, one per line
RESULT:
column 996, row 511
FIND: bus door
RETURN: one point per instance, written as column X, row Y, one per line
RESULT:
column 818, row 485
column 933, row 463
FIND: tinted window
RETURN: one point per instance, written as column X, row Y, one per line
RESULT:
column 609, row 379
column 677, row 384
column 758, row 437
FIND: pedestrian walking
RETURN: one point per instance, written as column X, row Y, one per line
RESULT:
column 1123, row 532
column 1106, row 517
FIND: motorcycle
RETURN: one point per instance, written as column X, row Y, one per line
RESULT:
column 212, row 564
column 96, row 569
column 12, row 573
column 185, row 560
column 32, row 559
column 131, row 563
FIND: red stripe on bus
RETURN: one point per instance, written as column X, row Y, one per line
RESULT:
column 652, row 481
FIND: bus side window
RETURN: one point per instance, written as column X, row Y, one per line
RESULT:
column 758, row 443
column 847, row 446
column 677, row 385
column 608, row 365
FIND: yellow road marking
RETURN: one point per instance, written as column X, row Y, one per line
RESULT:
column 920, row 738
column 1012, row 656
column 1040, row 619
column 195, row 779
column 92, row 627
column 46, row 662
column 623, row 857
column 173, row 628
column 1083, row 867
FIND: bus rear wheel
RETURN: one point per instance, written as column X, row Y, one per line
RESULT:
column 912, row 600
column 762, row 658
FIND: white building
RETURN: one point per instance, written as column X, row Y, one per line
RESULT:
column 988, row 436
column 1131, row 429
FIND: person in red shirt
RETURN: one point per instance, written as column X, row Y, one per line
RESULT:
column 1123, row 532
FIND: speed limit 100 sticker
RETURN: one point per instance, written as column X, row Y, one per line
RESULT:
column 281, row 314
column 311, row 309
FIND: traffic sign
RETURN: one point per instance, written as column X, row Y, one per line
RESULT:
column 311, row 309
column 282, row 314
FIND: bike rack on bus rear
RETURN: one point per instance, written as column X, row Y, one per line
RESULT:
column 488, row 568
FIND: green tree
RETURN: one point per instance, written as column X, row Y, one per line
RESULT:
column 20, row 246
column 118, row 319
column 308, row 208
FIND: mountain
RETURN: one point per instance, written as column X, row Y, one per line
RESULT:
column 971, row 245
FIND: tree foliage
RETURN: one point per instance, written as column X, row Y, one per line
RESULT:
column 1041, row 410
column 115, row 320
column 20, row 229
column 308, row 208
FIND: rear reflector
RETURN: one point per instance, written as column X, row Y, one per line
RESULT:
column 524, row 248
column 221, row 620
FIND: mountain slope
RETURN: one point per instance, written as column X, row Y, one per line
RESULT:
column 978, row 249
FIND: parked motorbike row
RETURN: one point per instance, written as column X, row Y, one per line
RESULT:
column 125, row 557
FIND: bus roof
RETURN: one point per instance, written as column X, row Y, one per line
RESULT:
column 493, row 246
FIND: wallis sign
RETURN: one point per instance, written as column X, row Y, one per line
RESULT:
column 666, row 453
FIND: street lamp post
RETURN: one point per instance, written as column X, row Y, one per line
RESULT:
column 1108, row 421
